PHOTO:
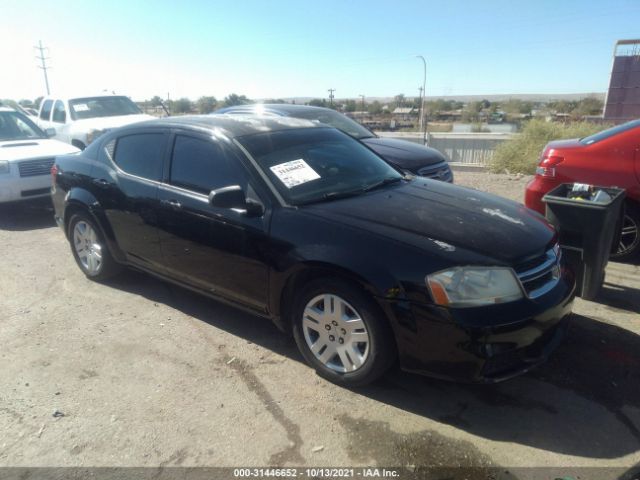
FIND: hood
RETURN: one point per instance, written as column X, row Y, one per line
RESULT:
column 101, row 123
column 35, row 148
column 403, row 153
column 436, row 215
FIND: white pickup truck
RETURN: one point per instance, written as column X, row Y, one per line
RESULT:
column 80, row 120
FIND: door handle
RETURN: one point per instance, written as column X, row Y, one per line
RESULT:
column 173, row 204
column 101, row 182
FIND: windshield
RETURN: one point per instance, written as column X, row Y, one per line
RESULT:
column 16, row 126
column 316, row 164
column 610, row 132
column 335, row 119
column 110, row 106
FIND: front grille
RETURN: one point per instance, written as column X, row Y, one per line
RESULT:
column 440, row 171
column 540, row 275
column 32, row 168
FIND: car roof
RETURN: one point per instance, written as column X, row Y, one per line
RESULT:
column 231, row 126
column 274, row 108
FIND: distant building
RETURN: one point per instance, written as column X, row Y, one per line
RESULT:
column 403, row 113
column 623, row 98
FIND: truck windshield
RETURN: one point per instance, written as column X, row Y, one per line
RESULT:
column 111, row 106
column 15, row 126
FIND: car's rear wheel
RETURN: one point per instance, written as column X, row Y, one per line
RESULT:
column 89, row 249
column 342, row 333
column 629, row 243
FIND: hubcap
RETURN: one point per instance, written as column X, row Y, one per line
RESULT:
column 89, row 251
column 335, row 333
column 629, row 236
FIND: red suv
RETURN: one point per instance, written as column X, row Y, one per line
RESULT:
column 608, row 158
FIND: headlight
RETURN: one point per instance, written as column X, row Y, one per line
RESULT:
column 93, row 134
column 4, row 166
column 474, row 286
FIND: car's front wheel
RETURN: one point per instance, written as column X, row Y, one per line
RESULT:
column 89, row 248
column 629, row 242
column 342, row 333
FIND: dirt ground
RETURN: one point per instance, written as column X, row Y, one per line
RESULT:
column 137, row 372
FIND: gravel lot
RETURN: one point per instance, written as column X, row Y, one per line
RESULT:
column 137, row 372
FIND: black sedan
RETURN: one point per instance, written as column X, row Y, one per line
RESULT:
column 412, row 157
column 304, row 225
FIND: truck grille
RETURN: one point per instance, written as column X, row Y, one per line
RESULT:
column 540, row 275
column 32, row 168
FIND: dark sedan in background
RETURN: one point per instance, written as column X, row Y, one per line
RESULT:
column 306, row 226
column 412, row 157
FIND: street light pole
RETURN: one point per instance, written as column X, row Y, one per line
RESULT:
column 362, row 96
column 423, row 117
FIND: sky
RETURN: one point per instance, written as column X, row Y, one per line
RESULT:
column 286, row 48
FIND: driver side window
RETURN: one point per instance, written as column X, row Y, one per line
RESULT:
column 59, row 112
column 201, row 165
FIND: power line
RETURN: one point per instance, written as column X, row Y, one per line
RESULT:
column 43, row 60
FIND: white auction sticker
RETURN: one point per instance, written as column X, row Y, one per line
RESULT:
column 295, row 172
column 81, row 107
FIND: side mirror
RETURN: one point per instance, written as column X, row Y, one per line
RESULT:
column 233, row 197
column 50, row 132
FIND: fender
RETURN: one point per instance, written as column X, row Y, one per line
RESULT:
column 85, row 200
column 315, row 260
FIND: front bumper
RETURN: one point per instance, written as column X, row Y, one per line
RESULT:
column 484, row 344
column 14, row 188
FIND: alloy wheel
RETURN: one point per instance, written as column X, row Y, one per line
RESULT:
column 335, row 333
column 629, row 236
column 87, row 247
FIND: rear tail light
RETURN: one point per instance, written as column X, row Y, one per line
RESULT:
column 54, row 174
column 547, row 167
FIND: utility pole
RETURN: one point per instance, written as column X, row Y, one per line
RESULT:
column 43, row 60
column 362, row 96
column 331, row 90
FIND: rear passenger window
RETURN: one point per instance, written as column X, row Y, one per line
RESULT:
column 45, row 112
column 141, row 154
column 200, row 165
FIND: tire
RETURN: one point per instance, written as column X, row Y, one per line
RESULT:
column 629, row 245
column 339, row 355
column 90, row 250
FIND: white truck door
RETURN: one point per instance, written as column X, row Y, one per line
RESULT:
column 59, row 121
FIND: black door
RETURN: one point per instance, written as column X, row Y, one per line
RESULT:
column 128, row 194
column 214, row 249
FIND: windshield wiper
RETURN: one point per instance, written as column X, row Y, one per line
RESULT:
column 384, row 181
column 352, row 193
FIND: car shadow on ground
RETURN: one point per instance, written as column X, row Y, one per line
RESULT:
column 620, row 296
column 28, row 215
column 584, row 401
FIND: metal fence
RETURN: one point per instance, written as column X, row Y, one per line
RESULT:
column 472, row 149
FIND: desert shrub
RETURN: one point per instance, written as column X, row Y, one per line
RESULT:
column 522, row 153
